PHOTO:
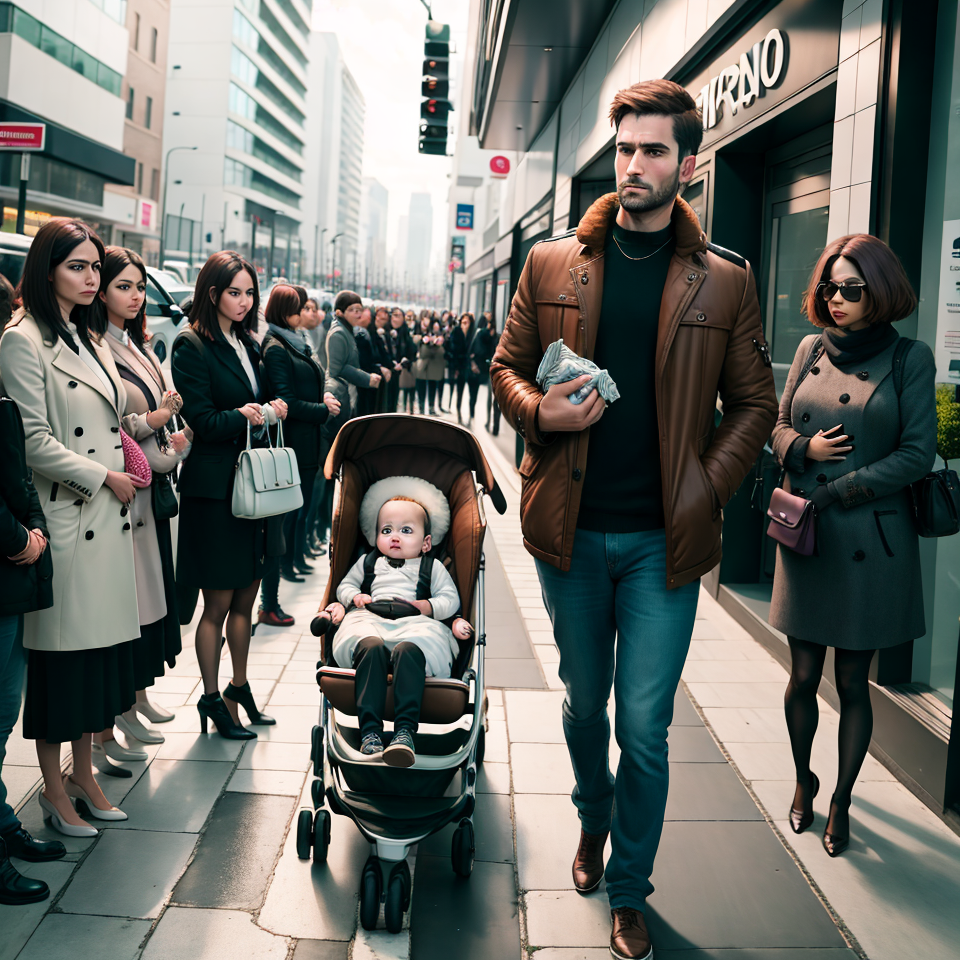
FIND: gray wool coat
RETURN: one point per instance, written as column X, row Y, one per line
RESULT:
column 862, row 589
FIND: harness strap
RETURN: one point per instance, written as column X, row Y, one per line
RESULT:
column 424, row 591
column 369, row 562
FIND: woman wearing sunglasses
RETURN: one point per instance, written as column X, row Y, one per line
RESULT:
column 852, row 436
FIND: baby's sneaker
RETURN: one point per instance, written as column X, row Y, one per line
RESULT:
column 371, row 744
column 400, row 752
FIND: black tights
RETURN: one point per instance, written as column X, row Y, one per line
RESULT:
column 851, row 672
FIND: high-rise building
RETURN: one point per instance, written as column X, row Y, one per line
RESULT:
column 419, row 237
column 65, row 71
column 373, row 227
column 136, row 208
column 336, row 112
column 237, row 114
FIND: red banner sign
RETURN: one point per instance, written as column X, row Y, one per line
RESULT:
column 499, row 167
column 22, row 136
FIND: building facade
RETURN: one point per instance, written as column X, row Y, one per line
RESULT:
column 419, row 240
column 821, row 118
column 373, row 232
column 62, row 63
column 235, row 131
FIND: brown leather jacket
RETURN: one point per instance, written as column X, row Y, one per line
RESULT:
column 710, row 341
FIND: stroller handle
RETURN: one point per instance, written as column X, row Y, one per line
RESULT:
column 318, row 626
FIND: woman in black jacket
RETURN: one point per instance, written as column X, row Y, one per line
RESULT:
column 478, row 369
column 458, row 357
column 372, row 361
column 290, row 371
column 26, row 573
column 215, row 369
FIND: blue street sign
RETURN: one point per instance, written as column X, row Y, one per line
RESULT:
column 464, row 216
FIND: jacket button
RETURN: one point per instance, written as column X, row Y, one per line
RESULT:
column 91, row 451
column 701, row 317
column 814, row 370
column 126, row 526
column 806, row 418
column 584, row 278
column 114, row 429
column 88, row 535
column 78, row 503
column 72, row 383
column 859, row 555
column 821, row 478
column 78, row 432
column 864, row 374
column 139, row 523
column 844, row 397
column 123, row 511
column 576, row 473
column 690, row 278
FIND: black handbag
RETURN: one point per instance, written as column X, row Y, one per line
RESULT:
column 165, row 503
column 936, row 504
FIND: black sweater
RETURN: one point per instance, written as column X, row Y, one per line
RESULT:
column 622, row 489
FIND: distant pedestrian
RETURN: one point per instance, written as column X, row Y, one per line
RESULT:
column 478, row 367
column 623, row 526
column 460, row 343
column 853, row 433
column 430, row 364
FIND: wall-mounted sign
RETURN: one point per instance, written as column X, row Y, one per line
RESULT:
column 146, row 214
column 22, row 136
column 738, row 85
column 464, row 216
column 458, row 246
column 499, row 167
column 947, row 348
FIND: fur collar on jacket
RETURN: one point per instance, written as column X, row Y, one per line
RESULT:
column 598, row 220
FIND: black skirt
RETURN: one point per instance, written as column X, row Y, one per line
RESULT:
column 73, row 692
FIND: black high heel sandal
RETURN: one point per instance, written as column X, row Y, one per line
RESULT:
column 244, row 697
column 835, row 843
column 800, row 820
column 216, row 710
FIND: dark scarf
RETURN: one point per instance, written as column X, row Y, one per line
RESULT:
column 291, row 337
column 849, row 349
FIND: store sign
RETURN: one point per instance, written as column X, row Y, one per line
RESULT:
column 22, row 136
column 464, row 216
column 146, row 214
column 738, row 85
column 458, row 246
column 947, row 348
column 499, row 167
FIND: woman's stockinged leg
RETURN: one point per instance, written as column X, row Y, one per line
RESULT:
column 48, row 756
column 802, row 713
column 216, row 605
column 238, row 637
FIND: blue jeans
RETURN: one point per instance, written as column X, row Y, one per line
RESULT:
column 13, row 661
column 616, row 625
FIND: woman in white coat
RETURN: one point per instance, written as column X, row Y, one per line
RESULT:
column 80, row 667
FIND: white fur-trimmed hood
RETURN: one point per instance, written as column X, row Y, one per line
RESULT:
column 425, row 493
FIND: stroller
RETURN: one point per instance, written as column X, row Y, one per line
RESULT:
column 395, row 808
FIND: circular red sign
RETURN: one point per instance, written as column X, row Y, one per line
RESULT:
column 499, row 166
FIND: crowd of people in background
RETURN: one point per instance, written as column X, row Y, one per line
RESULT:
column 103, row 447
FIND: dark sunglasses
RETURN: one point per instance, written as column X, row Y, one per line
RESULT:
column 851, row 291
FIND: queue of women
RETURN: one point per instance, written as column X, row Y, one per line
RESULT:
column 102, row 448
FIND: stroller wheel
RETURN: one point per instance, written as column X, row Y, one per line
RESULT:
column 370, row 886
column 463, row 849
column 304, row 834
column 321, row 836
column 398, row 897
column 316, row 794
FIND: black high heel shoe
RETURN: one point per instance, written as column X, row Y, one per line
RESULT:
column 836, row 843
column 301, row 566
column 244, row 697
column 216, row 710
column 800, row 820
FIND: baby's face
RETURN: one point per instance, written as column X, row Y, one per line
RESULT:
column 400, row 530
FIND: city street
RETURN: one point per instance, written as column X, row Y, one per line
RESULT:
column 206, row 865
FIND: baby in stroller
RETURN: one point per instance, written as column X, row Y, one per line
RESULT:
column 392, row 611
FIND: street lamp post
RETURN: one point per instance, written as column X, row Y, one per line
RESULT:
column 320, row 245
column 163, row 209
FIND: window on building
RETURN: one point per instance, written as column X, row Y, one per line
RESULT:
column 153, row 45
column 136, row 31
column 130, row 103
column 139, row 178
column 148, row 114
column 154, row 184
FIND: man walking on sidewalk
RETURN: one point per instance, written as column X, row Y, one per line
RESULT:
column 621, row 507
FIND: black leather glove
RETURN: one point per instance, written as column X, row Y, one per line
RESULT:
column 823, row 497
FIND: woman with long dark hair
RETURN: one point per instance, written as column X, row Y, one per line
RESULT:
column 857, row 427
column 216, row 370
column 403, row 352
column 150, row 408
column 459, row 344
column 80, row 672
column 481, row 353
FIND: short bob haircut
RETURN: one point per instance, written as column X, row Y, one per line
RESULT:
column 662, row 98
column 284, row 302
column 301, row 293
column 216, row 277
column 890, row 296
column 54, row 242
column 346, row 298
column 115, row 261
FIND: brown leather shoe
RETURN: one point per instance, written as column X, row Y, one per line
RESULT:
column 588, row 863
column 630, row 940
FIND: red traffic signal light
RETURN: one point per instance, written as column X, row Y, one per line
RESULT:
column 435, row 109
column 435, row 87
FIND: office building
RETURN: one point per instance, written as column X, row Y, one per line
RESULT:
column 373, row 228
column 419, row 239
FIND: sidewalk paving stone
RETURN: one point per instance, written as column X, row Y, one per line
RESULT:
column 493, row 825
column 129, row 873
column 493, row 778
column 708, row 791
column 19, row 923
column 267, row 755
column 71, row 937
column 189, row 746
column 690, row 744
column 286, row 783
column 212, row 935
column 320, row 950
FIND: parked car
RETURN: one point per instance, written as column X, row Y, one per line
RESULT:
column 173, row 285
column 164, row 314
column 13, row 253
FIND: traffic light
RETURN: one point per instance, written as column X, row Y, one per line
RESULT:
column 435, row 88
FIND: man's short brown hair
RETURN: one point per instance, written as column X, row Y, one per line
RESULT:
column 667, row 99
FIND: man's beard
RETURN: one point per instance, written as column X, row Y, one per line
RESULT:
column 652, row 199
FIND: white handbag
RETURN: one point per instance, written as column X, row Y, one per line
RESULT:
column 267, row 481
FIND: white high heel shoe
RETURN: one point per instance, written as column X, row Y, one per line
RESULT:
column 122, row 754
column 153, row 711
column 51, row 814
column 132, row 728
column 78, row 793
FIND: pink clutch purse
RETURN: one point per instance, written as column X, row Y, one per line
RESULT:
column 793, row 522
column 135, row 462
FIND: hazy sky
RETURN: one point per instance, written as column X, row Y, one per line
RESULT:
column 382, row 43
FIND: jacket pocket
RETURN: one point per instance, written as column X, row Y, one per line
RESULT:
column 559, row 319
column 877, row 514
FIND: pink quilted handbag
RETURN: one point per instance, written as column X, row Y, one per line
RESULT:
column 135, row 462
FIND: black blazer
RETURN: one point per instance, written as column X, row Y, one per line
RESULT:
column 30, row 587
column 299, row 380
column 210, row 378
